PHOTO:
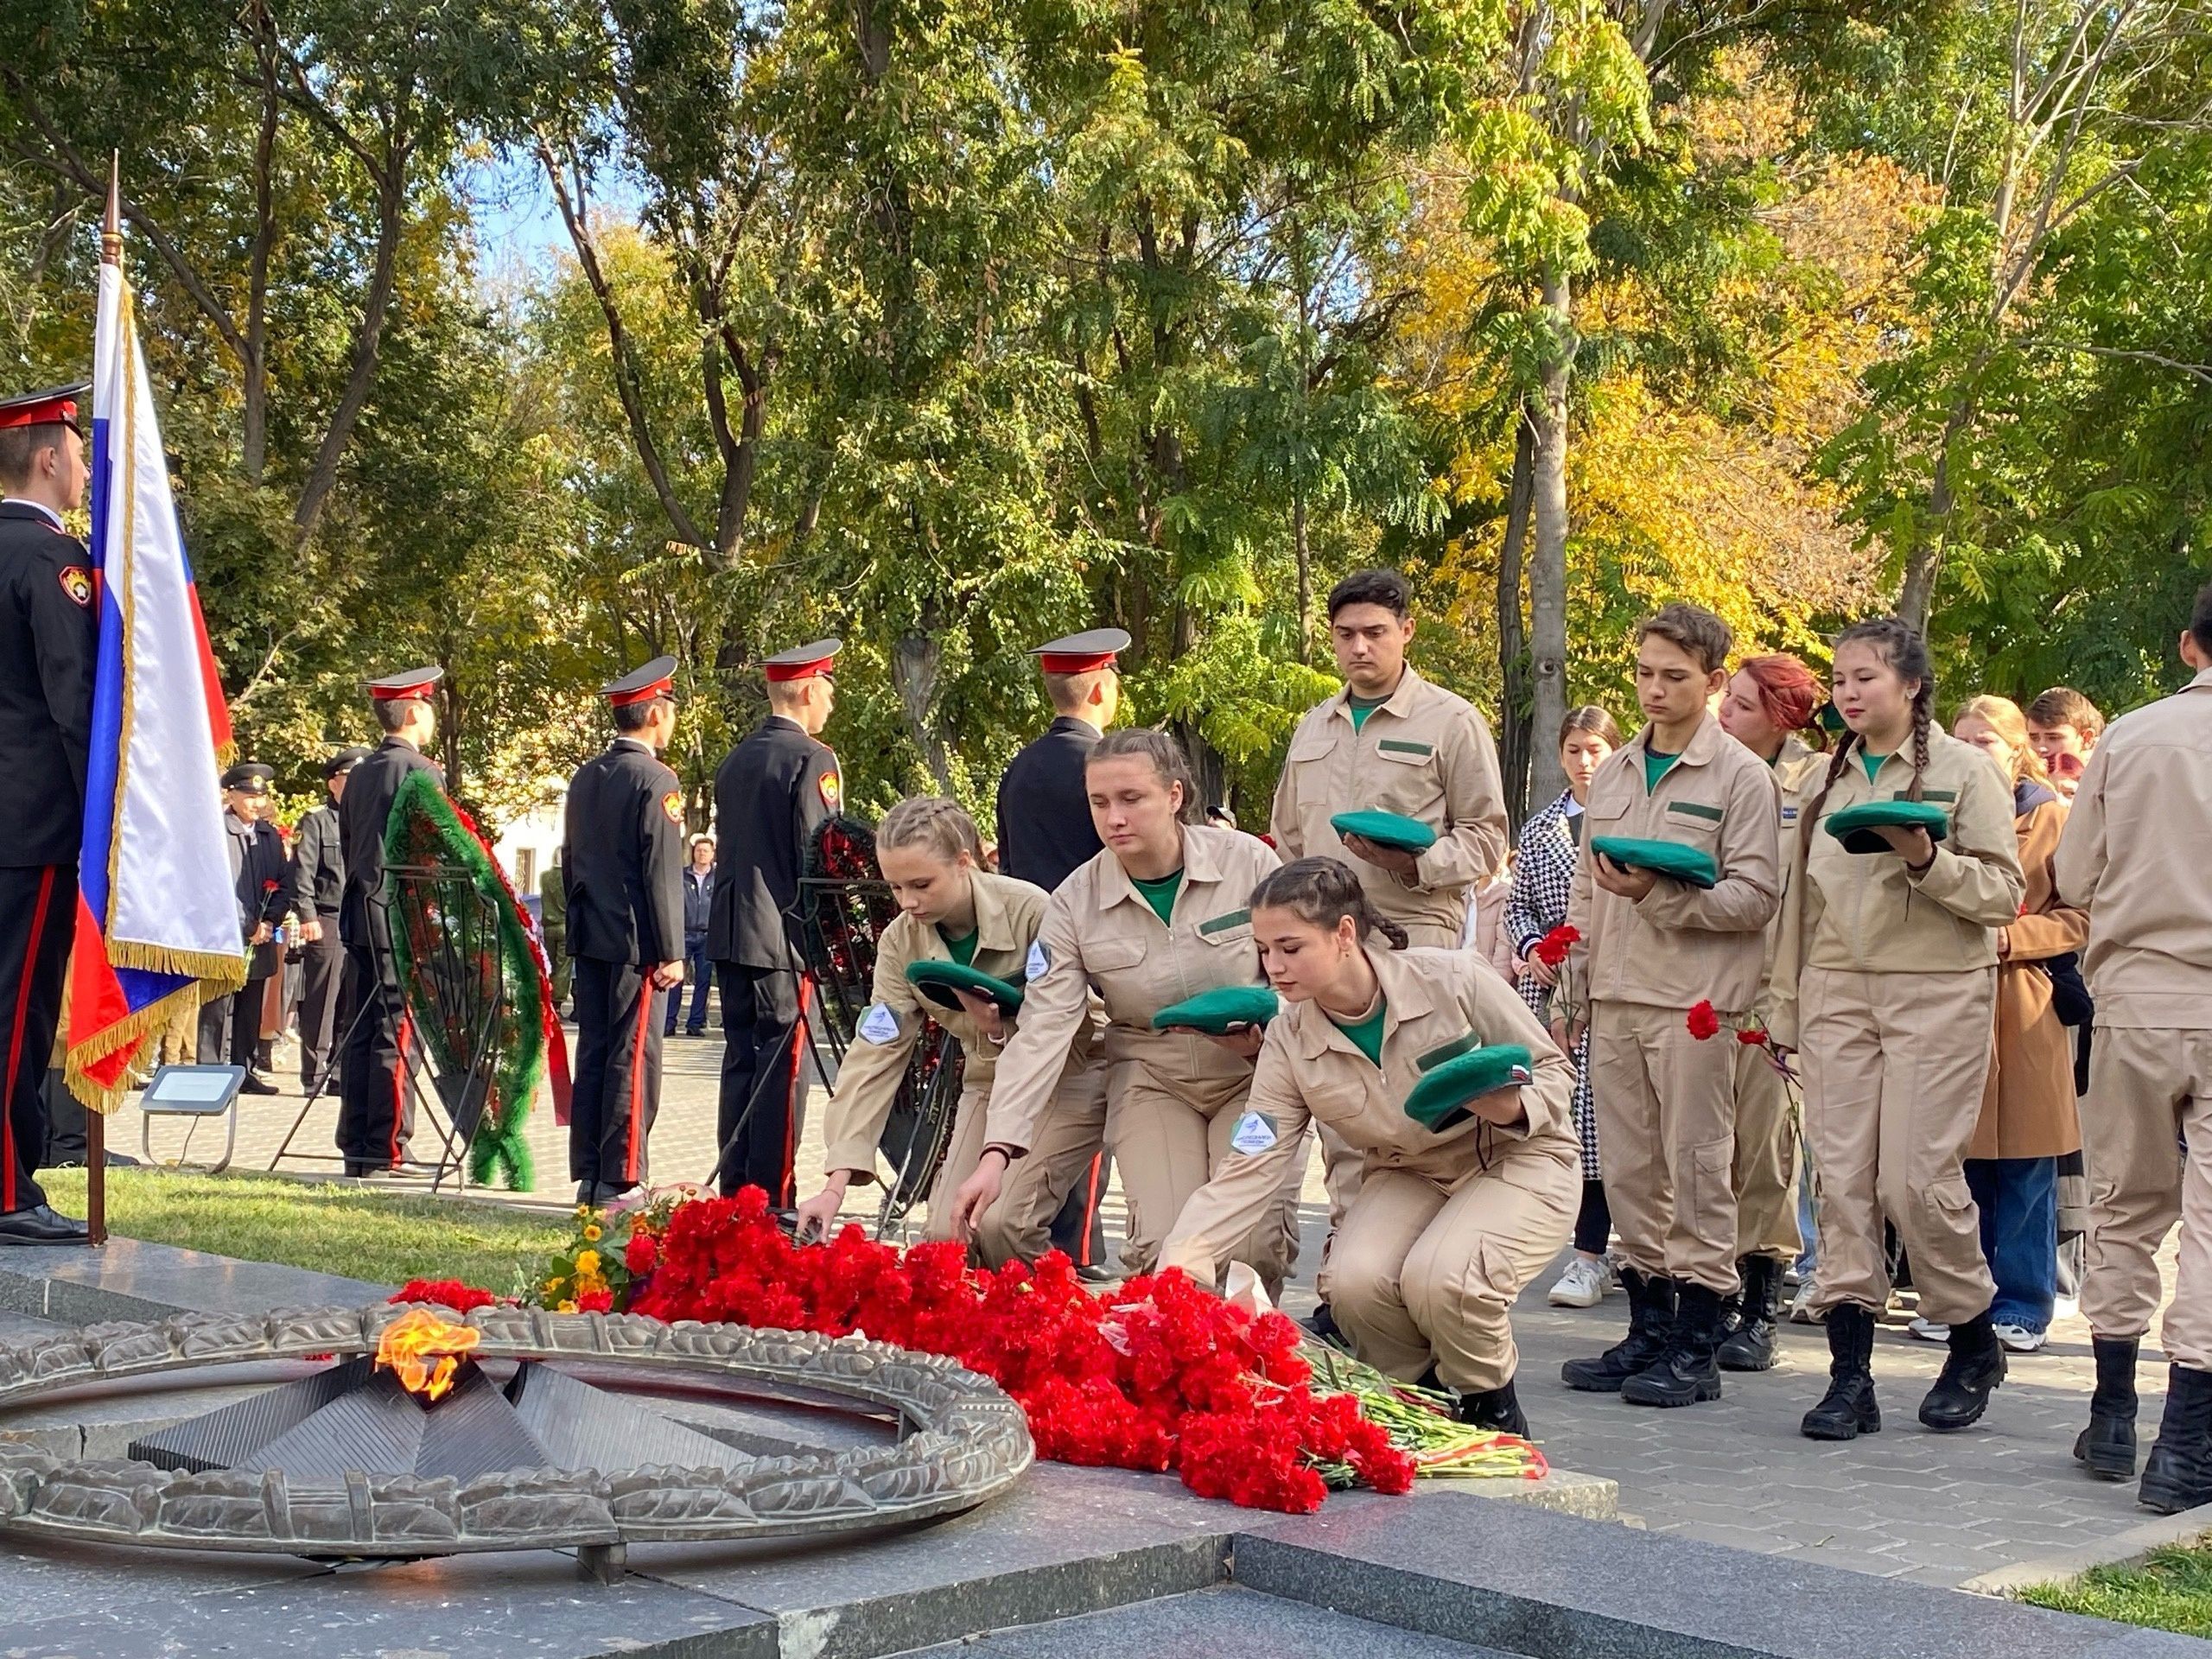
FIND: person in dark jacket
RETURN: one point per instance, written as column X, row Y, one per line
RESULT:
column 376, row 1114
column 698, row 911
column 771, row 792
column 318, row 894
column 48, row 634
column 553, row 928
column 621, row 862
column 1045, row 832
column 230, row 1026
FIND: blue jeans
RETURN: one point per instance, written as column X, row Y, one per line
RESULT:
column 2018, row 1200
column 699, row 978
column 1808, row 1257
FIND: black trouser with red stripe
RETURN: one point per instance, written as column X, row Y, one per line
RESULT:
column 617, row 1088
column 764, row 1025
column 376, row 1106
column 38, row 918
column 1079, row 1231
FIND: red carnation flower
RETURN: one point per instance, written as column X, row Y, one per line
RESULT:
column 641, row 1254
column 1552, row 949
column 596, row 1301
column 446, row 1293
column 1703, row 1021
column 1751, row 1036
column 269, row 887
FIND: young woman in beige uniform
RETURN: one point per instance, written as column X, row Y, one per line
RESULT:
column 1163, row 914
column 1448, row 1226
column 950, row 910
column 1885, row 980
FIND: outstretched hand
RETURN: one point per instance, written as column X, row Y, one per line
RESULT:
column 978, row 1193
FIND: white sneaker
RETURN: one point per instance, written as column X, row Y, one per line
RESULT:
column 2021, row 1340
column 1928, row 1331
column 1800, row 1306
column 1583, row 1285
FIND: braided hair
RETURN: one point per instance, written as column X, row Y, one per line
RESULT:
column 1901, row 646
column 1321, row 893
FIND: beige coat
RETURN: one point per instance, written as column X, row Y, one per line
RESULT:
column 2027, row 1107
column 1426, row 754
column 1099, row 933
column 1679, row 944
column 1309, row 1071
column 1864, row 912
column 1007, row 914
column 2133, row 856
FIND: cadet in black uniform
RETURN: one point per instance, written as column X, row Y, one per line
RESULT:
column 376, row 1112
column 622, row 867
column 318, row 894
column 771, row 792
column 1045, row 833
column 48, row 622
column 230, row 1026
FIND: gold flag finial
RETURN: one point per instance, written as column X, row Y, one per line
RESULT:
column 111, row 227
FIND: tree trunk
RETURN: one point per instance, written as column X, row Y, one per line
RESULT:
column 1305, row 579
column 913, row 671
column 1516, row 723
column 1923, row 559
column 1548, row 510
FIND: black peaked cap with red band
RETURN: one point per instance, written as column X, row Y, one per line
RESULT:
column 656, row 679
column 56, row 406
column 1081, row 653
column 414, row 684
column 802, row 662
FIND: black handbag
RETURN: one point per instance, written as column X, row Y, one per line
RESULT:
column 2069, row 992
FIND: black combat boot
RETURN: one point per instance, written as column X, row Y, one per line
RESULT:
column 2107, row 1445
column 1970, row 1374
column 1498, row 1409
column 1749, row 1346
column 2177, row 1475
column 1685, row 1373
column 1651, row 1317
column 1847, row 1409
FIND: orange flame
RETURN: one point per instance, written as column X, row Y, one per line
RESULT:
column 425, row 1351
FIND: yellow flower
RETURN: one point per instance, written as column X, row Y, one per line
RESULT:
column 583, row 1211
column 552, row 1286
column 591, row 1233
column 587, row 1260
column 588, row 1282
column 566, row 1307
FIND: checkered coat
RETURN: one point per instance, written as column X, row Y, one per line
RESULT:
column 1543, row 878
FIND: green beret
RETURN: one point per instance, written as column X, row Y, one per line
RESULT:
column 1855, row 825
column 1669, row 858
column 1220, row 1011
column 937, row 979
column 1386, row 829
column 1440, row 1099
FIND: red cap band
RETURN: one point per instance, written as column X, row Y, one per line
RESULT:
column 1065, row 662
column 780, row 672
column 403, row 693
column 643, row 694
column 54, row 411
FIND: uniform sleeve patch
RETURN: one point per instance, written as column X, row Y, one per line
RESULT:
column 672, row 803
column 833, row 795
column 77, row 583
column 1255, row 1133
column 1039, row 960
column 879, row 1025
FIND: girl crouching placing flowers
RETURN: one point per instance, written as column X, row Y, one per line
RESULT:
column 1471, row 1165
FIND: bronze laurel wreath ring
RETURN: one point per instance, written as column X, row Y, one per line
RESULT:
column 965, row 1442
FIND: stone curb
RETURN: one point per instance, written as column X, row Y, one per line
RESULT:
column 2128, row 1548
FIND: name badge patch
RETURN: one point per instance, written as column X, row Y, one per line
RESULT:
column 1255, row 1131
column 879, row 1025
column 1039, row 962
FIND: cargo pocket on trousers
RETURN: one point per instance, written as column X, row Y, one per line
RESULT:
column 1713, row 1182
column 1951, row 1212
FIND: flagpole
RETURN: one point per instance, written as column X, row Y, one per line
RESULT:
column 96, row 1120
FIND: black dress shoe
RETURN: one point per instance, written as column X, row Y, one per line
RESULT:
column 40, row 1226
column 256, row 1084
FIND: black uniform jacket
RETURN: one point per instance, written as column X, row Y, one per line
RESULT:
column 622, row 858
column 1045, row 828
column 319, row 862
column 264, row 887
column 771, row 792
column 48, row 628
column 370, row 789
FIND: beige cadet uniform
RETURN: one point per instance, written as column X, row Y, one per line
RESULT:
column 1886, row 982
column 1666, row 1102
column 2133, row 855
column 1172, row 1097
column 1766, row 1133
column 1423, row 754
column 1007, row 913
column 1447, row 1228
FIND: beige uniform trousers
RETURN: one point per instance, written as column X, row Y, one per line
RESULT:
column 1895, row 1065
column 1340, row 1164
column 1018, row 1227
column 1165, row 1149
column 1766, row 1157
column 1421, row 1274
column 2149, row 1090
column 1666, row 1106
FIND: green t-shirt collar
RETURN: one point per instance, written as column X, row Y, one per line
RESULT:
column 1160, row 894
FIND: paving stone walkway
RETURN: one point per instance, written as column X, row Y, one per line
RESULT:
column 1937, row 1509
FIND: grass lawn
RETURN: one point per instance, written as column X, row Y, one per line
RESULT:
column 2172, row 1591
column 385, row 1238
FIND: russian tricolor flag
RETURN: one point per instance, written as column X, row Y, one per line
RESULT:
column 157, row 910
